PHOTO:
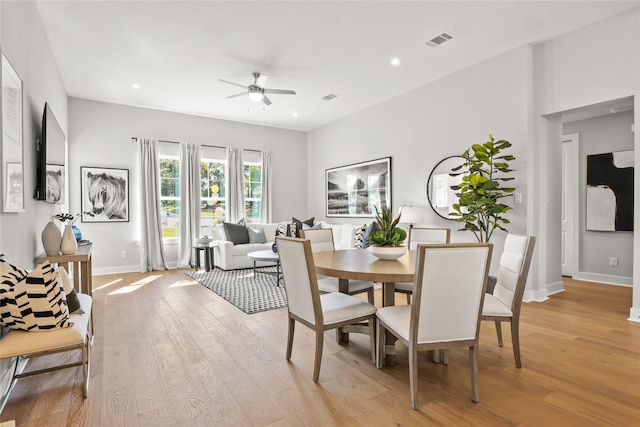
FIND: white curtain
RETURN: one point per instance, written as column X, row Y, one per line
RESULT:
column 152, row 250
column 235, row 185
column 189, row 202
column 265, row 180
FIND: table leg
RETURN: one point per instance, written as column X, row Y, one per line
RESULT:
column 207, row 261
column 388, row 299
column 278, row 275
column 197, row 259
column 86, row 278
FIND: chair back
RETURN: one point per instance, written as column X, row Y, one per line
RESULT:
column 514, row 269
column 321, row 239
column 449, row 292
column 298, row 272
column 422, row 235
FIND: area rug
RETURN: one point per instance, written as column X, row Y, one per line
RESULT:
column 241, row 288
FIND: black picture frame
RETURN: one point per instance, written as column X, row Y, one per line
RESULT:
column 104, row 193
column 353, row 190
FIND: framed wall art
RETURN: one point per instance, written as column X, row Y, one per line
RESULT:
column 354, row 190
column 105, row 194
column 610, row 191
column 11, row 150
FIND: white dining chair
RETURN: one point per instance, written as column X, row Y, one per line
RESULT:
column 505, row 302
column 446, row 307
column 306, row 305
column 322, row 240
column 418, row 236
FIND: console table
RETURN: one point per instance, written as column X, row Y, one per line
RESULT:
column 82, row 269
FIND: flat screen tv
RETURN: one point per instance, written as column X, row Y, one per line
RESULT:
column 50, row 157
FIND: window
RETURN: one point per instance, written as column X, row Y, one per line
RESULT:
column 170, row 195
column 252, row 190
column 212, row 192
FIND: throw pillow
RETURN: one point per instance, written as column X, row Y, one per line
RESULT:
column 370, row 229
column 358, row 238
column 7, row 269
column 282, row 229
column 237, row 234
column 314, row 226
column 298, row 225
column 33, row 302
column 71, row 296
column 256, row 236
column 242, row 222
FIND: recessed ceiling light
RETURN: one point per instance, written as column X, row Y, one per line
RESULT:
column 135, row 86
column 295, row 114
column 395, row 62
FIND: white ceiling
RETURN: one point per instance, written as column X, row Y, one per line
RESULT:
column 177, row 50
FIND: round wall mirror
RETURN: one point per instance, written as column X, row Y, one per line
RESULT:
column 439, row 193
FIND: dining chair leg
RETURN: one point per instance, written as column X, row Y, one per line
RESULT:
column 473, row 368
column 292, row 327
column 370, row 296
column 413, row 375
column 318, row 357
column 499, row 332
column 380, row 341
column 372, row 337
column 515, row 339
column 435, row 356
column 408, row 299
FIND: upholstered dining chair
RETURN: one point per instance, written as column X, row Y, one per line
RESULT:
column 306, row 305
column 417, row 236
column 322, row 240
column 505, row 302
column 446, row 307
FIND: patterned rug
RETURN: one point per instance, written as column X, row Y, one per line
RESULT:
column 241, row 288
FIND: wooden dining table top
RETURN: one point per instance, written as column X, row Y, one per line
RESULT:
column 360, row 264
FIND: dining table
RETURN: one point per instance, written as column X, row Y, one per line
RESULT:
column 360, row 264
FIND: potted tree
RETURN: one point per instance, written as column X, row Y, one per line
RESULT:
column 386, row 241
column 480, row 205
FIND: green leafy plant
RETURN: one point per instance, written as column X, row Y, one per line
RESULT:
column 388, row 234
column 480, row 193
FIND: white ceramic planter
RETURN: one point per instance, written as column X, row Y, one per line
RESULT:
column 69, row 246
column 51, row 239
column 388, row 253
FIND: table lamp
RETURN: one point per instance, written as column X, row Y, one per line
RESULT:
column 411, row 215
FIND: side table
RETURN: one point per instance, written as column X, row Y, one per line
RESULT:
column 207, row 249
column 82, row 268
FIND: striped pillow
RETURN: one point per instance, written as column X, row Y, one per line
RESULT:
column 34, row 302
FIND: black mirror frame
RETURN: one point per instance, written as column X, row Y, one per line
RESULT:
column 429, row 186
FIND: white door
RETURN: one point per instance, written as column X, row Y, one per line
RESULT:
column 570, row 207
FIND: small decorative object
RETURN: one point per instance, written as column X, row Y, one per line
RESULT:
column 274, row 248
column 51, row 239
column 77, row 232
column 386, row 243
column 480, row 193
column 69, row 245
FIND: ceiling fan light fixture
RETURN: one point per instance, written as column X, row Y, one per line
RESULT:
column 255, row 96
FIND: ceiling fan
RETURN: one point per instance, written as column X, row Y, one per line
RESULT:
column 256, row 91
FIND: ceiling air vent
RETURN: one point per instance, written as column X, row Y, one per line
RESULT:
column 438, row 40
column 329, row 97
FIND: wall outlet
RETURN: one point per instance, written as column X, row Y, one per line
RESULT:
column 613, row 262
column 123, row 254
column 517, row 198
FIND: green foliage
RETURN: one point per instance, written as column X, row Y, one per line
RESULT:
column 388, row 234
column 479, row 206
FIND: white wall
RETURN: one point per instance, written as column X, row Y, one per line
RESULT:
column 25, row 43
column 598, row 135
column 421, row 127
column 100, row 136
column 582, row 68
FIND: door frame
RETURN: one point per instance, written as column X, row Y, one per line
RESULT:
column 571, row 173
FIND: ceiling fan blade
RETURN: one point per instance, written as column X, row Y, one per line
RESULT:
column 260, row 82
column 237, row 95
column 280, row 91
column 232, row 83
column 266, row 100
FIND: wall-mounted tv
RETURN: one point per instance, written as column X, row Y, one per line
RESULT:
column 50, row 158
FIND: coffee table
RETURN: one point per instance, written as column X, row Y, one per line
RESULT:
column 266, row 256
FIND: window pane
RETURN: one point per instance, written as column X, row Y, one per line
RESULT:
column 212, row 191
column 170, row 196
column 170, row 214
column 252, row 191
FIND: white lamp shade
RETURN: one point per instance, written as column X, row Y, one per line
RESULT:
column 412, row 215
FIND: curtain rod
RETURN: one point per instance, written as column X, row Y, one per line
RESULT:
column 135, row 138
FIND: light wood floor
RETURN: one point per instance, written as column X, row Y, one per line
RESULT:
column 168, row 351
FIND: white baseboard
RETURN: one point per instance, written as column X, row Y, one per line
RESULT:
column 554, row 288
column 604, row 278
column 634, row 314
column 535, row 296
column 116, row 270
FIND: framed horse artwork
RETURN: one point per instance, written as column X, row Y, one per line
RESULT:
column 105, row 194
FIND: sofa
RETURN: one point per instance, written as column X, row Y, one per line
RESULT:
column 228, row 256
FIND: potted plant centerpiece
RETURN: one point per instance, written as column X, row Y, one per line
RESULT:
column 386, row 242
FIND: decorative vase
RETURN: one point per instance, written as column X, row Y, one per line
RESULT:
column 69, row 244
column 76, row 232
column 387, row 253
column 274, row 248
column 51, row 239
